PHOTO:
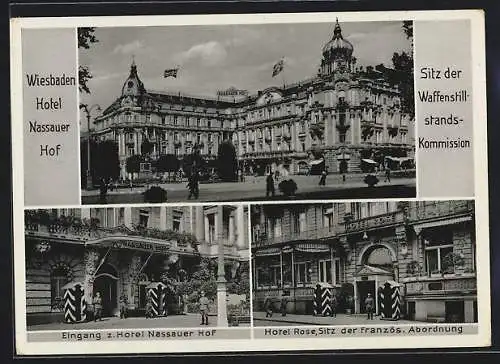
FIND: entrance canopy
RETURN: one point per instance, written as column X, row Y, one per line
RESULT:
column 316, row 162
column 369, row 161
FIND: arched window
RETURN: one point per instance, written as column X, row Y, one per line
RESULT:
column 379, row 257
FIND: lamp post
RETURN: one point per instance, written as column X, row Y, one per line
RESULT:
column 221, row 274
column 88, row 111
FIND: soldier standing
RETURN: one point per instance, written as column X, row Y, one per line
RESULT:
column 203, row 302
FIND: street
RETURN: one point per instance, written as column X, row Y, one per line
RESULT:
column 174, row 321
column 259, row 319
column 254, row 189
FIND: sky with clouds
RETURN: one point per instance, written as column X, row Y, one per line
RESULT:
column 217, row 57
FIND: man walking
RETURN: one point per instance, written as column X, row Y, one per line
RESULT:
column 193, row 185
column 369, row 306
column 97, row 307
column 270, row 185
column 322, row 180
column 333, row 304
column 103, row 191
column 387, row 175
column 203, row 302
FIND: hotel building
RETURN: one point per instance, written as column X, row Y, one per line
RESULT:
column 343, row 116
column 428, row 248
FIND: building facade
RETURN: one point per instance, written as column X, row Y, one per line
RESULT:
column 426, row 247
column 120, row 251
column 343, row 117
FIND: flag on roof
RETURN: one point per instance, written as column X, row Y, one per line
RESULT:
column 172, row 72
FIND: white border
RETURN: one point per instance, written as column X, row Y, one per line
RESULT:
column 133, row 347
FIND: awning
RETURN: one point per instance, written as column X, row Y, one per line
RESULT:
column 267, row 252
column 312, row 248
column 430, row 224
column 316, row 162
column 370, row 161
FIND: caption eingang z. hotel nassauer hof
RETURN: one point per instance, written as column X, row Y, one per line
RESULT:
column 179, row 193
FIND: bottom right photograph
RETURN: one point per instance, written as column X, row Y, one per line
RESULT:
column 364, row 263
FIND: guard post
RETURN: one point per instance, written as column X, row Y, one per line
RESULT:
column 322, row 300
column 75, row 307
column 390, row 301
column 157, row 291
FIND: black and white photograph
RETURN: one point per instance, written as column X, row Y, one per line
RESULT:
column 247, row 112
column 364, row 263
column 133, row 267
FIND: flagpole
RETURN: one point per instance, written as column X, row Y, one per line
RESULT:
column 283, row 73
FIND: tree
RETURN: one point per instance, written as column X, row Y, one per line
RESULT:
column 226, row 161
column 86, row 37
column 193, row 161
column 133, row 164
column 403, row 65
column 167, row 163
column 107, row 165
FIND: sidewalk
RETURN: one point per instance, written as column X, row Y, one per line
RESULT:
column 341, row 319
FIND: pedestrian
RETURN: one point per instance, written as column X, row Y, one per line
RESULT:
column 123, row 306
column 387, row 175
column 369, row 306
column 110, row 183
column 203, row 304
column 284, row 302
column 334, row 305
column 322, row 180
column 268, row 307
column 97, row 301
column 149, row 305
column 103, row 190
column 270, row 185
column 193, row 185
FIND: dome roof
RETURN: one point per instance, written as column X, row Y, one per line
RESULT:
column 133, row 86
column 338, row 46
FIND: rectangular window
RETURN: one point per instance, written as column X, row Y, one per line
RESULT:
column 211, row 228
column 302, row 273
column 325, row 271
column 177, row 221
column 436, row 261
column 143, row 218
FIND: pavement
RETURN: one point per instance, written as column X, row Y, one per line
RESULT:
column 253, row 189
column 174, row 321
column 259, row 319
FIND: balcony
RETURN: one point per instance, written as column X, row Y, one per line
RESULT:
column 315, row 234
column 373, row 222
column 429, row 286
column 434, row 209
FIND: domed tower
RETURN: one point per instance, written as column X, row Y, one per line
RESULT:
column 337, row 54
column 133, row 86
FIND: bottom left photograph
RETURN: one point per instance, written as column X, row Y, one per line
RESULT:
column 137, row 267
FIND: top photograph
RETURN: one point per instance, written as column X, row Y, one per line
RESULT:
column 223, row 113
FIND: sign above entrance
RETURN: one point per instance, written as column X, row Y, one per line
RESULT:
column 163, row 247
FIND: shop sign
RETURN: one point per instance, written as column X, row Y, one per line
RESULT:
column 371, row 222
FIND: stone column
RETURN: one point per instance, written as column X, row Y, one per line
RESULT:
column 163, row 218
column 231, row 234
column 200, row 223
column 136, row 143
column 240, row 227
column 221, row 276
column 127, row 217
column 207, row 225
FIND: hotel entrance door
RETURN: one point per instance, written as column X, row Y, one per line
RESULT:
column 365, row 287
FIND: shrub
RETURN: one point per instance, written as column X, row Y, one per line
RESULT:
column 371, row 180
column 155, row 194
column 288, row 187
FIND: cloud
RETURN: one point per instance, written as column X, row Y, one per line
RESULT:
column 128, row 48
column 209, row 54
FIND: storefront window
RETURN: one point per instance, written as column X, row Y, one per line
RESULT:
column 302, row 273
column 269, row 276
column 143, row 218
